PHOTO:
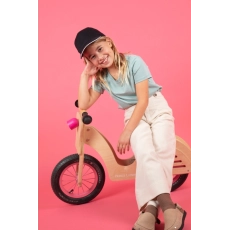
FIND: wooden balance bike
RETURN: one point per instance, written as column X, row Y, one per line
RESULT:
column 79, row 178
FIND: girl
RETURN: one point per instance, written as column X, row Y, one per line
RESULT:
column 148, row 122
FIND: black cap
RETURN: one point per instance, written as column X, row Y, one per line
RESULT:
column 85, row 37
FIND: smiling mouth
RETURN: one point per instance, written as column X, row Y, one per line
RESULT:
column 104, row 61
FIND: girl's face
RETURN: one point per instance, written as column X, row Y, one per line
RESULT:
column 100, row 54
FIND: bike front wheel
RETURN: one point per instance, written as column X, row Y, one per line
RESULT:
column 64, row 179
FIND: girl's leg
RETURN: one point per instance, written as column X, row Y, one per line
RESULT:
column 165, row 201
column 151, row 175
column 164, row 140
column 154, row 143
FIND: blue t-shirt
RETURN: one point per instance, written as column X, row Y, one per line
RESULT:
column 125, row 94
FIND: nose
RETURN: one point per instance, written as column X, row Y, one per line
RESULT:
column 100, row 57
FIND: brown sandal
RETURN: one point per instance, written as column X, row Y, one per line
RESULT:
column 146, row 221
column 174, row 218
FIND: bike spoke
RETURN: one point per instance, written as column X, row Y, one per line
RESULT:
column 68, row 181
column 87, row 180
column 70, row 172
column 86, row 171
column 68, row 175
column 85, row 185
column 74, row 168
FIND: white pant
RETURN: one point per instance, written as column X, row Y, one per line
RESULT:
column 153, row 143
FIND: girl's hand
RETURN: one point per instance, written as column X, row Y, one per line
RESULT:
column 90, row 69
column 124, row 142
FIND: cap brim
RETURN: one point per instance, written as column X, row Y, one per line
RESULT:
column 88, row 45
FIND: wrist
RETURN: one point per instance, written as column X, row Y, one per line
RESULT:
column 127, row 130
column 85, row 76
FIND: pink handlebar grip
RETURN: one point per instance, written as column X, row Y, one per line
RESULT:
column 73, row 123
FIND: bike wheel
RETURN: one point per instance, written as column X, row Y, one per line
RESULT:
column 64, row 179
column 178, row 180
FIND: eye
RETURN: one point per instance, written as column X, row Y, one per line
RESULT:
column 92, row 57
column 100, row 49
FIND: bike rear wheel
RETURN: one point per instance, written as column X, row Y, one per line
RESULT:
column 178, row 180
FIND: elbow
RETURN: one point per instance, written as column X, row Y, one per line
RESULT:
column 82, row 106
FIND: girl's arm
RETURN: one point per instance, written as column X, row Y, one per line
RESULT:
column 143, row 98
column 86, row 97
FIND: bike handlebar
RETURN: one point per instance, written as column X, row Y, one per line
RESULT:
column 86, row 119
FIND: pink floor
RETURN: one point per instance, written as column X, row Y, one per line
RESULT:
column 114, row 208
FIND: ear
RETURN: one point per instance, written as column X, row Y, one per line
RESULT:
column 109, row 42
column 85, row 60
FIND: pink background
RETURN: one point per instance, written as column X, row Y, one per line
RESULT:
column 158, row 31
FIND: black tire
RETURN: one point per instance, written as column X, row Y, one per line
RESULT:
column 178, row 180
column 64, row 184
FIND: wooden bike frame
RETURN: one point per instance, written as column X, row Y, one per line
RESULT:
column 121, row 169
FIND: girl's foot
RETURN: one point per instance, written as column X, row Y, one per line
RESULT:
column 174, row 218
column 147, row 219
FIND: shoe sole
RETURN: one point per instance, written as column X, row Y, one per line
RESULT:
column 183, row 218
column 182, row 225
column 157, row 221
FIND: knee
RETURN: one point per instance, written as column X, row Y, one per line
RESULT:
column 144, row 155
column 166, row 147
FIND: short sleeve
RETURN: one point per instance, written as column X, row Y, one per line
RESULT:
column 140, row 70
column 97, row 87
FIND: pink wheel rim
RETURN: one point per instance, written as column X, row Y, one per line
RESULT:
column 68, row 181
column 175, row 178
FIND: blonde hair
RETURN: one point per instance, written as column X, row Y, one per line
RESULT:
column 120, row 62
